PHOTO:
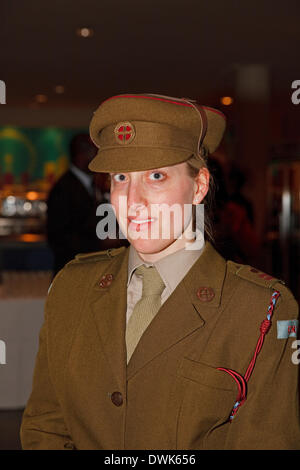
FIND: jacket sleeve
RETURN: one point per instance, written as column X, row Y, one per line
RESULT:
column 269, row 418
column 43, row 425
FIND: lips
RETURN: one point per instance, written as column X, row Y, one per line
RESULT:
column 140, row 221
column 139, row 224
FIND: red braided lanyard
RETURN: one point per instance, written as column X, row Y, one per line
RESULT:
column 239, row 379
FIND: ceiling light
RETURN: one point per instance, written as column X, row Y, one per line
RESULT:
column 226, row 100
column 85, row 32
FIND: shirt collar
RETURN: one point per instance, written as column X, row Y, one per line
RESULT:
column 171, row 268
column 83, row 177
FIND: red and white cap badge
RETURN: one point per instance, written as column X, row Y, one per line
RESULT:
column 124, row 132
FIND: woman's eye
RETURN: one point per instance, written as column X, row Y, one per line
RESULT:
column 119, row 177
column 156, row 176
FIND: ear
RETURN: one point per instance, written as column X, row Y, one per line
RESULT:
column 201, row 185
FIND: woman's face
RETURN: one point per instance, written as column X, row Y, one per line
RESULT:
column 143, row 200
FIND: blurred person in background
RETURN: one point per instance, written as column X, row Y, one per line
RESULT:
column 72, row 203
column 237, row 181
column 235, row 236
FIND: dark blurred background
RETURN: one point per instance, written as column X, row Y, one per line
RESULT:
column 59, row 60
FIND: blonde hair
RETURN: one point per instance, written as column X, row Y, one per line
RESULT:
column 207, row 201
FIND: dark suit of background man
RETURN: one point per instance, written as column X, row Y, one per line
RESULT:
column 71, row 224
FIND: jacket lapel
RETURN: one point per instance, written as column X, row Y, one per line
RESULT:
column 184, row 311
column 109, row 306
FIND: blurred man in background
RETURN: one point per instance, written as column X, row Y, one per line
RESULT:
column 72, row 203
column 232, row 215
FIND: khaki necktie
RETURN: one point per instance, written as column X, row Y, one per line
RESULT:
column 146, row 308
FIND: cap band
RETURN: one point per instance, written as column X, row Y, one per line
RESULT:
column 147, row 134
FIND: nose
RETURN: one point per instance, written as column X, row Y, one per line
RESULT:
column 136, row 198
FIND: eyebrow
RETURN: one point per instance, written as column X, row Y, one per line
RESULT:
column 158, row 169
column 165, row 168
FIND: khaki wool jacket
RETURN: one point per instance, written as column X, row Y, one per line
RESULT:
column 171, row 394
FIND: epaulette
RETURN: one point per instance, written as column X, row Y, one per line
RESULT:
column 98, row 255
column 249, row 273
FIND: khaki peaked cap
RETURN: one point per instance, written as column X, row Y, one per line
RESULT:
column 144, row 131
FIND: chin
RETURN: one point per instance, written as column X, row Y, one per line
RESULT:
column 150, row 246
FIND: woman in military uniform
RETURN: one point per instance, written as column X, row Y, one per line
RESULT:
column 163, row 344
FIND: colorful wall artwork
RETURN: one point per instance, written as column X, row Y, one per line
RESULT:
column 34, row 155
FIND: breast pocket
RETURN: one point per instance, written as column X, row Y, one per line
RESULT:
column 208, row 398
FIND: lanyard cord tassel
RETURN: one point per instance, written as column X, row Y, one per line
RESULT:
column 239, row 379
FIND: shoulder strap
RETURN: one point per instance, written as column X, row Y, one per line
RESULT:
column 252, row 274
column 99, row 255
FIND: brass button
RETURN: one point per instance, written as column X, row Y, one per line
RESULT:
column 205, row 294
column 106, row 280
column 69, row 445
column 117, row 398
